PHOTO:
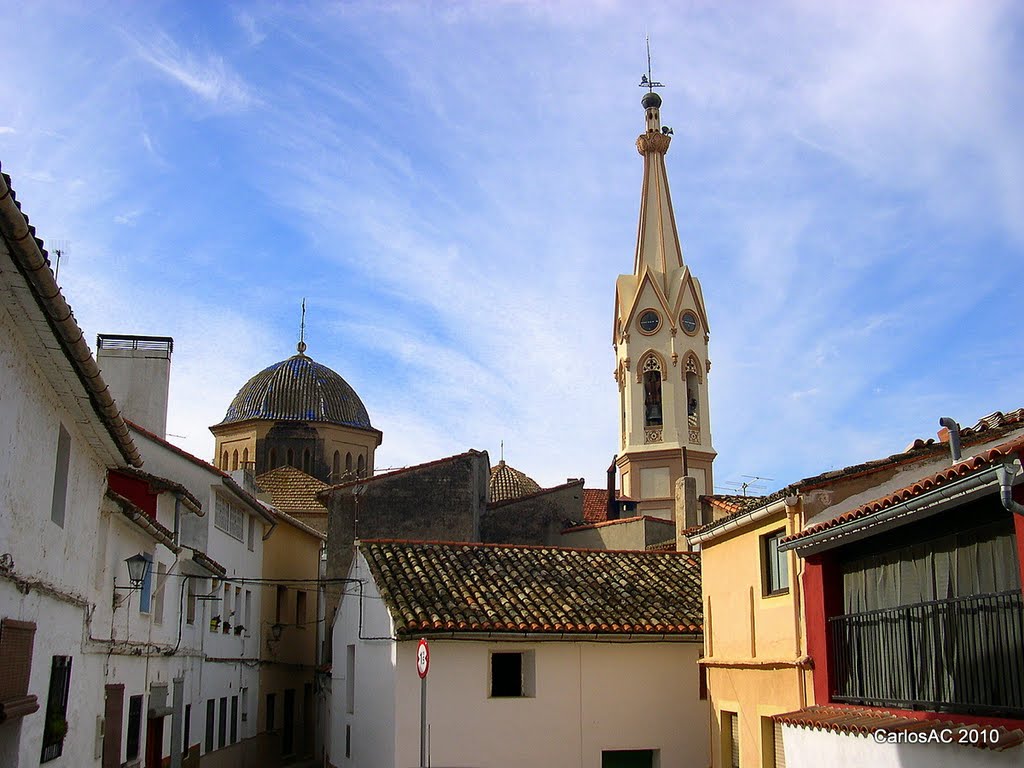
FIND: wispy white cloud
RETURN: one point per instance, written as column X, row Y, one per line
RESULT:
column 6, row 130
column 207, row 76
column 247, row 23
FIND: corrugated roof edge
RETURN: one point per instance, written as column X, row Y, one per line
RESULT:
column 32, row 262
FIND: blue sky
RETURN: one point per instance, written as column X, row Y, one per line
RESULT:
column 454, row 188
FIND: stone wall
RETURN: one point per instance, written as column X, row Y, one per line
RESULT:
column 535, row 519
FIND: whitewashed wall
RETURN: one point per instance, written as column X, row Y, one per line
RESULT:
column 808, row 748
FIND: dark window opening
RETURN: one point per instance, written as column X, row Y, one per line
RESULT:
column 55, row 726
column 775, row 568
column 134, row 727
column 60, row 477
column 211, row 706
column 234, row 719
column 222, row 723
column 652, row 393
column 271, row 704
column 506, row 674
column 187, row 730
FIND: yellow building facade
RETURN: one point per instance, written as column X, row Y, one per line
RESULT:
column 755, row 653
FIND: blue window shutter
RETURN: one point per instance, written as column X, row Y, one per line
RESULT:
column 146, row 595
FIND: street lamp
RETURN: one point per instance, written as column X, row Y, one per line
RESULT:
column 138, row 570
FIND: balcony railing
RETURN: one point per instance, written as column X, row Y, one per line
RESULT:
column 960, row 655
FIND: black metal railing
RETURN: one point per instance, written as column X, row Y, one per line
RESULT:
column 960, row 655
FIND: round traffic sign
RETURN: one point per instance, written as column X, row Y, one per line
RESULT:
column 422, row 658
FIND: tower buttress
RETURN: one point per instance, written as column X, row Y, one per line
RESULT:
column 660, row 337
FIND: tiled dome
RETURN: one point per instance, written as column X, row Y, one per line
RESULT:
column 509, row 483
column 298, row 389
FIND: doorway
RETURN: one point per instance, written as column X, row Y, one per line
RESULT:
column 288, row 725
column 155, row 742
column 628, row 758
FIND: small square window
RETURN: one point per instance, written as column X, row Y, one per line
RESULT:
column 512, row 674
column 774, row 564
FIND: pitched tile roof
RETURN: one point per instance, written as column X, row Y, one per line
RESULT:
column 619, row 521
column 452, row 587
column 148, row 524
column 864, row 721
column 986, row 429
column 400, row 471
column 158, row 484
column 506, row 482
column 924, row 485
column 292, row 490
column 534, row 494
column 731, row 503
column 595, row 505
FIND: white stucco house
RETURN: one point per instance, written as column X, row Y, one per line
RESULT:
column 538, row 656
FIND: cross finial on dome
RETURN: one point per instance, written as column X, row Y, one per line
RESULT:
column 301, row 346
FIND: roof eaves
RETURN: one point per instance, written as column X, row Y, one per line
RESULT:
column 31, row 262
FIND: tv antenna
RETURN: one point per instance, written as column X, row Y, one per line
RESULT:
column 647, row 81
column 60, row 248
column 750, row 483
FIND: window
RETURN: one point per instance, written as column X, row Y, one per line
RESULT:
column 350, row 679
column 300, row 608
column 361, row 465
column 146, row 593
column 224, row 461
column 247, row 616
column 239, row 608
column 775, row 565
column 306, row 460
column 730, row 739
column 627, row 758
column 211, row 707
column 245, row 458
column 190, row 603
column 228, row 517
column 222, row 723
column 650, row 322
column 652, row 392
column 186, row 730
column 282, row 602
column 244, row 696
column 273, row 458
column 60, row 478
column 271, row 704
column 336, row 466
column 225, row 624
column 234, row 459
column 55, row 727
column 234, row 719
column 692, row 393
column 16, row 642
column 134, row 727
column 512, row 674
column 771, row 744
column 252, row 533
column 348, row 463
column 348, row 741
column 291, row 458
column 158, row 593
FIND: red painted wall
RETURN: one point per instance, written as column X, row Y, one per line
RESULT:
column 823, row 597
column 1018, row 522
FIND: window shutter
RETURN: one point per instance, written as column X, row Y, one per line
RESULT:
column 780, row 755
column 734, row 740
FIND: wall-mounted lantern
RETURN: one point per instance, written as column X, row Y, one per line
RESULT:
column 138, row 570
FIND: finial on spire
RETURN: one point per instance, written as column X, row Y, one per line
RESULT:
column 502, row 450
column 302, row 330
column 647, row 81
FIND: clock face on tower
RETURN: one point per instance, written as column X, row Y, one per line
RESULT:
column 649, row 321
column 689, row 322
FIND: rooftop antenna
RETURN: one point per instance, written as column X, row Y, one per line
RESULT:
column 60, row 248
column 647, row 81
column 302, row 330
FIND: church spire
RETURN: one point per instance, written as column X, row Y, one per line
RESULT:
column 657, row 242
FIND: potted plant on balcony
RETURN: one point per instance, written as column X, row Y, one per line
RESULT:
column 239, row 629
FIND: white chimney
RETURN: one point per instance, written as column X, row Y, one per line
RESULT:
column 138, row 371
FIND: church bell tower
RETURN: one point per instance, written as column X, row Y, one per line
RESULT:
column 660, row 337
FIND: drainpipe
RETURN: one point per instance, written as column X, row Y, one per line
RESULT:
column 954, row 436
column 1006, row 473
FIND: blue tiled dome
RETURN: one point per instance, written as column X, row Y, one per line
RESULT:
column 298, row 389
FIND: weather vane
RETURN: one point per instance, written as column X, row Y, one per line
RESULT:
column 302, row 329
column 647, row 81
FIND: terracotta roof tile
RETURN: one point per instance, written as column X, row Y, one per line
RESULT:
column 454, row 587
column 292, row 490
column 924, row 485
column 866, row 721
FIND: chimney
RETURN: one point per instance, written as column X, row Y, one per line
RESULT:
column 138, row 371
column 613, row 505
column 950, row 433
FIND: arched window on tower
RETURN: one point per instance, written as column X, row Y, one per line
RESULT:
column 652, row 392
column 348, row 463
column 305, row 460
column 273, row 458
column 245, row 458
column 224, row 461
column 336, row 466
column 234, row 460
column 291, row 457
column 362, row 465
column 692, row 393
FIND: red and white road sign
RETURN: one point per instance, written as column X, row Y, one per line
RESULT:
column 422, row 658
